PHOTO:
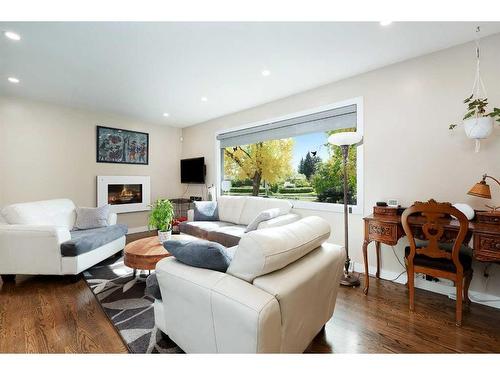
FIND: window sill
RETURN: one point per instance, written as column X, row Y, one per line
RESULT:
column 327, row 207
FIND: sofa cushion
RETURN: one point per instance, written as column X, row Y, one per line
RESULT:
column 58, row 212
column 255, row 205
column 261, row 217
column 206, row 211
column 266, row 250
column 83, row 241
column 90, row 217
column 201, row 229
column 199, row 253
column 228, row 236
column 230, row 208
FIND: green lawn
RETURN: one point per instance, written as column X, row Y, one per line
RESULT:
column 309, row 197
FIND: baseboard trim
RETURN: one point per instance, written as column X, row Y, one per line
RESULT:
column 137, row 230
column 442, row 287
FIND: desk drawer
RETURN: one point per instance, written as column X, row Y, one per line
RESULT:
column 487, row 248
column 383, row 232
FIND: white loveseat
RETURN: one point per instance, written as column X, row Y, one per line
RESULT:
column 277, row 294
column 235, row 213
column 32, row 235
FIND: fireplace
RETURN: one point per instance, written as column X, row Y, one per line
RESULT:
column 124, row 193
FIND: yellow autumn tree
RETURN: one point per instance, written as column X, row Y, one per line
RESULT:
column 269, row 161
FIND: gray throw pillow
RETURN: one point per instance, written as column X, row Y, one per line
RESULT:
column 206, row 211
column 263, row 216
column 200, row 253
column 88, row 218
column 152, row 286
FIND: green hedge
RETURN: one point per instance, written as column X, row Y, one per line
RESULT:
column 245, row 189
column 296, row 190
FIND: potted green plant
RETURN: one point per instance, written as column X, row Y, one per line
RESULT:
column 162, row 213
column 478, row 122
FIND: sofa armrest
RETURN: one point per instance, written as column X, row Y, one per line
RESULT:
column 212, row 312
column 279, row 221
column 112, row 218
column 190, row 214
column 31, row 249
column 58, row 234
column 306, row 290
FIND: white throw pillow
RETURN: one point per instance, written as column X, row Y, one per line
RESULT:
column 262, row 216
column 88, row 218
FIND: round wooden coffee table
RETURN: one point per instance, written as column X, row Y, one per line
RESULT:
column 143, row 254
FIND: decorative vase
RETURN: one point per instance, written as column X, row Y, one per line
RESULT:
column 478, row 128
column 164, row 236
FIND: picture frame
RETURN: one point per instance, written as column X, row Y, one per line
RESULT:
column 121, row 146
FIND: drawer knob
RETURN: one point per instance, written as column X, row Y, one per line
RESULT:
column 497, row 246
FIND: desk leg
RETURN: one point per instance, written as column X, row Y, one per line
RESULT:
column 377, row 247
column 365, row 258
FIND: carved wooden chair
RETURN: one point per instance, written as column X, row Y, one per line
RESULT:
column 438, row 255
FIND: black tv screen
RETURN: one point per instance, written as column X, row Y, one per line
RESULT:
column 193, row 171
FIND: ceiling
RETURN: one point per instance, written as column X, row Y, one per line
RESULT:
column 143, row 69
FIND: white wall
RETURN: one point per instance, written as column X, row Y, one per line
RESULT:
column 49, row 151
column 409, row 153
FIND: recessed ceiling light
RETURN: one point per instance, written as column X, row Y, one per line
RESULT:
column 13, row 80
column 265, row 72
column 12, row 35
column 166, row 114
column 385, row 23
column 204, row 99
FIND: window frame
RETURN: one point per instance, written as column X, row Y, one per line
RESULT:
column 303, row 205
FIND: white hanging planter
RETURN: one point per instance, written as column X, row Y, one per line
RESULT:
column 478, row 122
column 478, row 128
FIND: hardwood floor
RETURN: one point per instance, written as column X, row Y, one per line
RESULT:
column 53, row 315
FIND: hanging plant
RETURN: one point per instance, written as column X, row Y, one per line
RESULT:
column 477, row 108
column 478, row 121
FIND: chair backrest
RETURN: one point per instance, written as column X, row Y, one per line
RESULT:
column 434, row 217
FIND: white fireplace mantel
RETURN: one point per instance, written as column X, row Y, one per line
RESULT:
column 103, row 183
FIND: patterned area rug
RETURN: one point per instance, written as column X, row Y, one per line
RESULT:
column 123, row 299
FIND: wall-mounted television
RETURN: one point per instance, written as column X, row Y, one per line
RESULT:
column 193, row 171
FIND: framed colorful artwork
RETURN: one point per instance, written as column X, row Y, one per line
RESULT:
column 121, row 146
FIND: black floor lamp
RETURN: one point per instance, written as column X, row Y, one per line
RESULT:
column 344, row 141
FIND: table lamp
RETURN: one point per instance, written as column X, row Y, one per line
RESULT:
column 344, row 141
column 482, row 189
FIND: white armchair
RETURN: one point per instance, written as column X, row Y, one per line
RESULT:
column 278, row 293
column 31, row 235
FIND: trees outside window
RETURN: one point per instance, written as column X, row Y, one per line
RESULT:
column 291, row 168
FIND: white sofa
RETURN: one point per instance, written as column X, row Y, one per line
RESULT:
column 31, row 235
column 277, row 294
column 235, row 213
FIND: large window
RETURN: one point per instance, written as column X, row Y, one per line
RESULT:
column 290, row 158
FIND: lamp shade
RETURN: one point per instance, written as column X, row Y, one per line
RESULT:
column 345, row 138
column 481, row 189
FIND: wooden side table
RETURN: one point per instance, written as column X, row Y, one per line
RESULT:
column 143, row 254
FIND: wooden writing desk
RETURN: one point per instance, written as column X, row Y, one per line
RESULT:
column 388, row 230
